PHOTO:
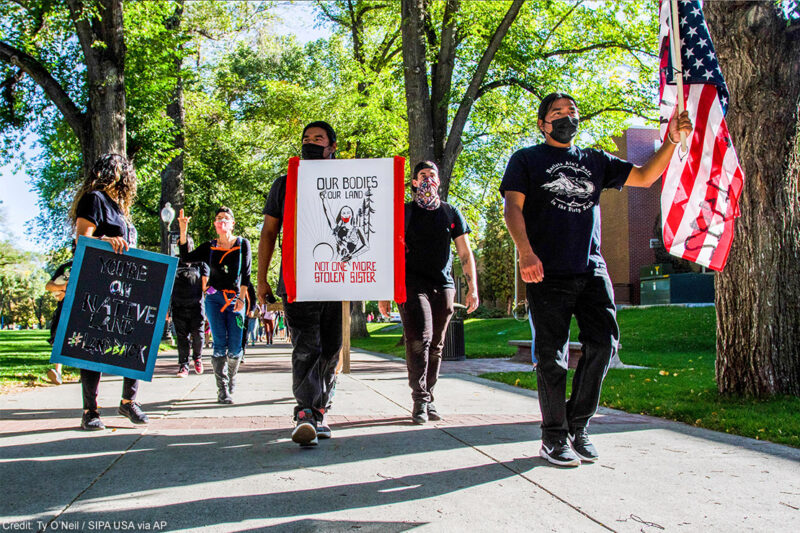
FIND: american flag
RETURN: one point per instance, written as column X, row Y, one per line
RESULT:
column 700, row 189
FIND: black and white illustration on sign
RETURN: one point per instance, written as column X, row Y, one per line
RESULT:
column 350, row 229
column 114, row 310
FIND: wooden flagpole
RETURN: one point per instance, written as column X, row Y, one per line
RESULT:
column 677, row 64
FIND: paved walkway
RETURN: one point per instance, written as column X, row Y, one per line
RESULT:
column 205, row 467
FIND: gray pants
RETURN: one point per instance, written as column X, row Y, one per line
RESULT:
column 316, row 329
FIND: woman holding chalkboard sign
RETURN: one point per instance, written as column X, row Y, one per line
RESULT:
column 102, row 210
column 229, row 259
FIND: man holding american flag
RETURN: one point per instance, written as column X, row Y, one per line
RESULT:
column 552, row 210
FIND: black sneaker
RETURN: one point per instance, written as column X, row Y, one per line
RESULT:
column 133, row 411
column 558, row 452
column 433, row 414
column 305, row 432
column 584, row 449
column 419, row 414
column 91, row 421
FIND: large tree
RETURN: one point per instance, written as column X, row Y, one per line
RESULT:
column 758, row 293
column 474, row 70
column 35, row 32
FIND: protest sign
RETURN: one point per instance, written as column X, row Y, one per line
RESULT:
column 114, row 310
column 343, row 230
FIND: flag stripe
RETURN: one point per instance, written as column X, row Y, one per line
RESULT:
column 700, row 193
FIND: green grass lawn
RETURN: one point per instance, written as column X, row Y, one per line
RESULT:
column 25, row 359
column 678, row 347
column 483, row 337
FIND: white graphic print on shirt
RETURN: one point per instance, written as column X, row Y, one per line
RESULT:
column 572, row 187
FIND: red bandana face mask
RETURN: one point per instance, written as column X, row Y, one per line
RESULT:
column 427, row 195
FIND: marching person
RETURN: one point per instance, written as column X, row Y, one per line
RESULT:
column 315, row 327
column 268, row 321
column 101, row 210
column 57, row 286
column 430, row 226
column 228, row 258
column 552, row 210
column 187, row 313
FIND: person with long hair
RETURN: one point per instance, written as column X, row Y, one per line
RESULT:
column 101, row 210
column 229, row 259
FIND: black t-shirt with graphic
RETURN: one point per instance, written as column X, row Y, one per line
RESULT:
column 274, row 208
column 99, row 209
column 428, row 254
column 562, row 189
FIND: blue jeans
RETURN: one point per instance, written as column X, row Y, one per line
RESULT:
column 226, row 326
column 553, row 302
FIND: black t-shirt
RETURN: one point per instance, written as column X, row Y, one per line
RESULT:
column 188, row 288
column 99, row 209
column 428, row 236
column 562, row 189
column 274, row 208
column 228, row 269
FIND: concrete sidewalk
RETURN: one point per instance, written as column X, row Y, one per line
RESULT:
column 205, row 467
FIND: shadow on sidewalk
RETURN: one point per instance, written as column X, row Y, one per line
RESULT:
column 271, row 504
column 53, row 473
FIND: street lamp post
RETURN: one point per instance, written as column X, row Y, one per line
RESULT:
column 167, row 216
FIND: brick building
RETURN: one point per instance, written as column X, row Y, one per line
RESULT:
column 630, row 218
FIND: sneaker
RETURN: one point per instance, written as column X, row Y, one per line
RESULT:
column 133, row 411
column 433, row 414
column 91, row 421
column 558, row 452
column 54, row 376
column 419, row 414
column 305, row 432
column 581, row 445
column 198, row 366
column 323, row 429
column 183, row 372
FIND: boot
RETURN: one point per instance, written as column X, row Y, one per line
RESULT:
column 233, row 368
column 419, row 413
column 221, row 373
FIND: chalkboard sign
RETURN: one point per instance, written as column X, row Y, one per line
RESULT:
column 114, row 310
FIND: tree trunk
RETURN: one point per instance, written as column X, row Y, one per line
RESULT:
column 758, row 294
column 430, row 136
column 358, row 321
column 105, row 74
column 415, row 73
column 172, row 175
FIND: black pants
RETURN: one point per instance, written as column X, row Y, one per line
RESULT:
column 90, row 382
column 425, row 316
column 54, row 322
column 316, row 329
column 553, row 301
column 188, row 321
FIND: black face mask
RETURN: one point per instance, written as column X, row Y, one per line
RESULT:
column 312, row 151
column 564, row 129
